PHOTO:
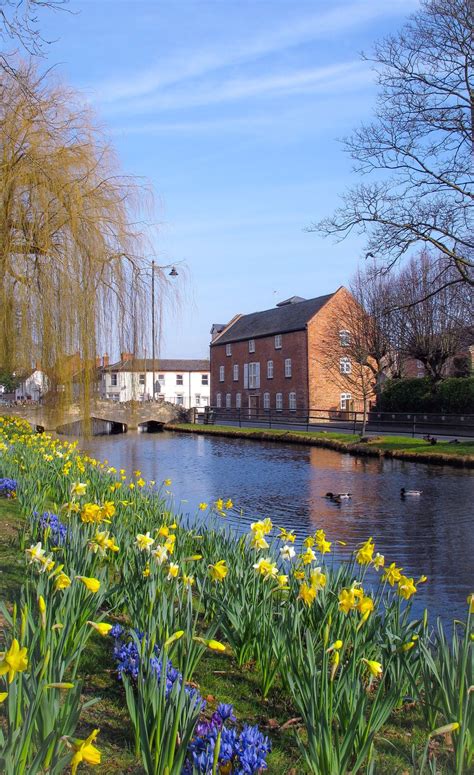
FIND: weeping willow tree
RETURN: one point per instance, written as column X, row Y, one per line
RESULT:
column 72, row 266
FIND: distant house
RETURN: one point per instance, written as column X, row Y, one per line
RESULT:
column 32, row 386
column 275, row 359
column 185, row 382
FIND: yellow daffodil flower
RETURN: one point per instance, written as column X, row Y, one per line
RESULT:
column 167, row 482
column 203, row 506
column 14, row 660
column 93, row 585
column 218, row 571
column 406, row 587
column 173, row 570
column 84, row 751
column 101, row 627
column 62, row 581
column 160, row 554
column 309, row 542
column 78, row 488
column 317, row 579
column 307, row 594
column 378, row 561
column 258, row 540
column 35, row 553
column 375, row 668
column 308, row 556
column 3, row 697
column 228, row 504
column 108, row 510
column 188, row 581
column 146, row 572
column 141, row 482
column 470, row 602
column 365, row 553
column 163, row 531
column 144, row 541
column 392, row 574
column 266, row 567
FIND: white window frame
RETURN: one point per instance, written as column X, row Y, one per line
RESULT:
column 180, row 379
column 344, row 337
column 218, row 400
column 287, row 367
column 279, row 402
column 266, row 400
column 179, row 399
column 345, row 365
column 251, row 345
column 161, row 377
column 114, row 379
column 204, row 379
column 228, row 400
column 292, row 401
column 254, row 376
column 278, row 341
column 228, row 349
column 235, row 372
column 141, row 379
column 345, row 397
column 238, row 400
column 270, row 369
column 221, row 373
column 197, row 399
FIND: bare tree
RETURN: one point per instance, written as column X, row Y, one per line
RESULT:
column 417, row 152
column 438, row 328
column 20, row 31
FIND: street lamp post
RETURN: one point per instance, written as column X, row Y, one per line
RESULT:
column 172, row 273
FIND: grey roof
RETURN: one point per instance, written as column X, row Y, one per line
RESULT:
column 291, row 300
column 278, row 320
column 160, row 364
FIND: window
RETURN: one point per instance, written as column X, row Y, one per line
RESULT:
column 161, row 377
column 236, row 372
column 269, row 369
column 141, row 379
column 161, row 396
column 266, row 400
column 278, row 342
column 204, row 400
column 292, row 402
column 344, row 338
column 254, row 375
column 228, row 400
column 279, row 402
column 221, row 374
column 228, row 349
column 114, row 379
column 218, row 400
column 287, row 367
column 179, row 379
column 179, row 399
column 204, row 379
column 238, row 400
column 346, row 400
column 197, row 399
column 345, row 365
column 251, row 345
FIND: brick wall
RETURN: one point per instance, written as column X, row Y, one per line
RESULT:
column 293, row 346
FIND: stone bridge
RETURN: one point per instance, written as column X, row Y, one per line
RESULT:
column 101, row 417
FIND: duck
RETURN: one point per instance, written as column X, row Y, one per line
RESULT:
column 339, row 496
column 404, row 492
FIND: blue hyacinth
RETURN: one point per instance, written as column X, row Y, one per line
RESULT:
column 52, row 523
column 7, row 487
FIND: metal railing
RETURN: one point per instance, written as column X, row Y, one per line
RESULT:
column 402, row 423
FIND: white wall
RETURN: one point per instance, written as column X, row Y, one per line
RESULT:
column 33, row 386
column 129, row 387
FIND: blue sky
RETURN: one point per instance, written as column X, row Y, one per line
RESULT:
column 232, row 110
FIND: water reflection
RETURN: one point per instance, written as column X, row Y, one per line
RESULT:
column 432, row 534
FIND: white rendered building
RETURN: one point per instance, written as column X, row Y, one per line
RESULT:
column 32, row 387
column 182, row 381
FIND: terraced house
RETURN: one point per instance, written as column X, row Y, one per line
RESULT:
column 277, row 359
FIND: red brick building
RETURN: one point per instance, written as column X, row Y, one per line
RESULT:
column 274, row 360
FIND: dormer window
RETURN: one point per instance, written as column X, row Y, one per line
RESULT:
column 344, row 338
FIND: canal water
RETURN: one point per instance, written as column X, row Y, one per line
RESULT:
column 429, row 535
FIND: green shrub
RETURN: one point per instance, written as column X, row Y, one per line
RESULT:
column 451, row 396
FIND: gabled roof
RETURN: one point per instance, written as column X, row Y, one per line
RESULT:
column 279, row 320
column 160, row 365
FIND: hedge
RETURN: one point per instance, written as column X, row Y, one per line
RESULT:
column 454, row 395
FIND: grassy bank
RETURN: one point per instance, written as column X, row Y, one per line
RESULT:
column 218, row 678
column 402, row 447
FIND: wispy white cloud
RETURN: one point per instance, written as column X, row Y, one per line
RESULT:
column 186, row 65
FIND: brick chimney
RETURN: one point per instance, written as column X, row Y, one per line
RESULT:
column 98, row 361
column 126, row 356
column 105, row 360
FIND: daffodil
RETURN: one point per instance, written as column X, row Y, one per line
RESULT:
column 62, row 581
column 203, row 506
column 287, row 552
column 378, row 561
column 406, row 587
column 101, row 627
column 141, row 482
column 258, row 540
column 78, row 488
column 218, row 571
column 470, row 602
column 3, row 697
column 144, row 541
column 287, row 535
column 307, row 594
column 264, row 526
column 35, row 553
column 93, row 585
column 160, row 554
column 14, row 660
column 365, row 553
column 365, row 606
column 309, row 542
column 163, row 531
column 308, row 556
column 346, row 600
column 173, row 570
column 167, row 482
column 266, row 567
column 108, row 509
column 317, row 579
column 84, row 751
column 375, row 668
column 188, row 581
column 392, row 574
column 282, row 581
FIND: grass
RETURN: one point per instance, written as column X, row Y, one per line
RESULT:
column 218, row 678
column 402, row 447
